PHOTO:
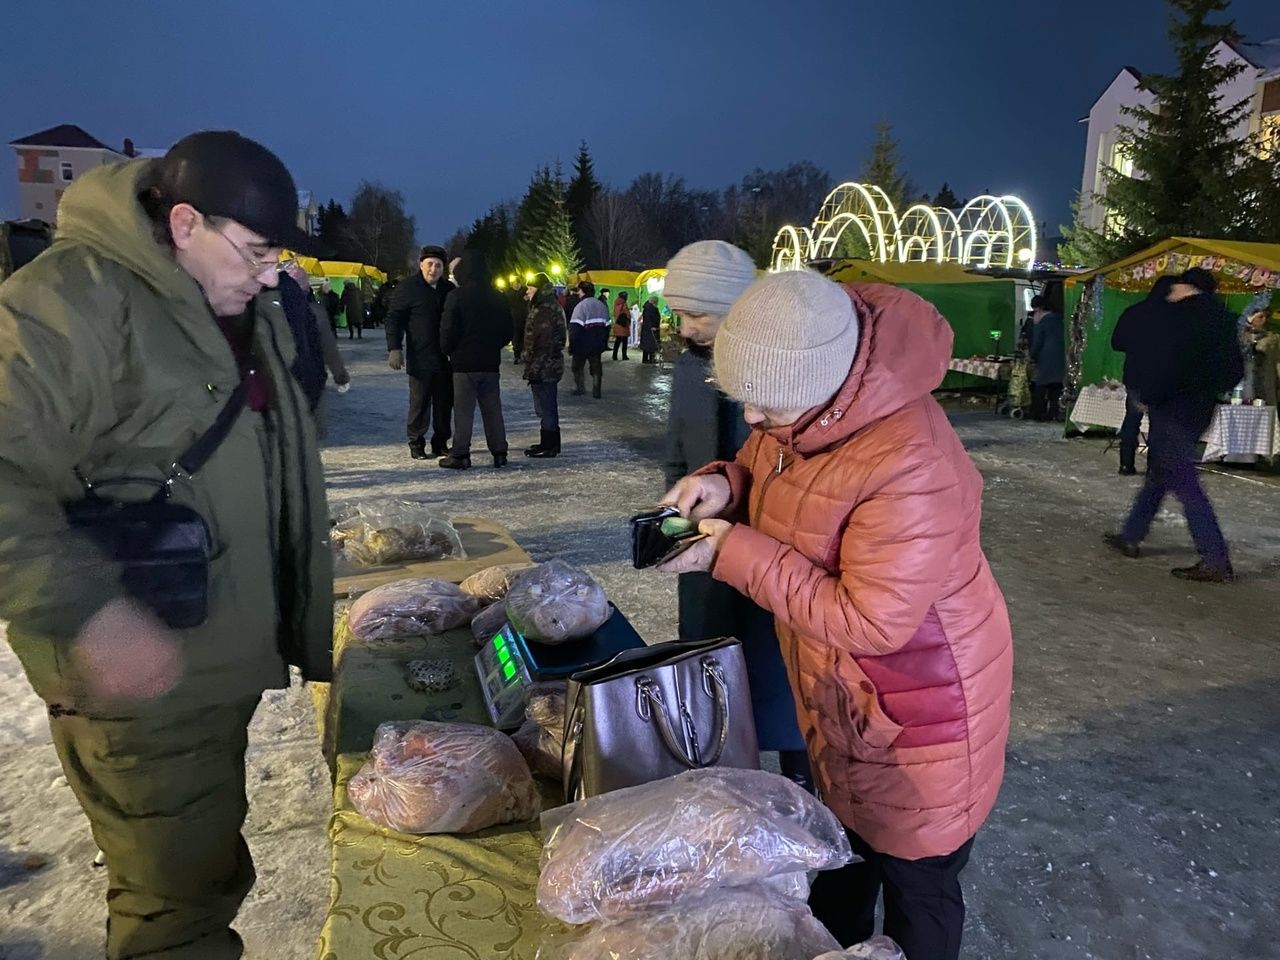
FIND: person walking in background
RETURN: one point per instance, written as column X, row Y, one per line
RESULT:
column 544, row 340
column 1261, row 350
column 704, row 425
column 413, row 344
column 475, row 327
column 332, row 305
column 1048, row 358
column 853, row 514
column 353, row 305
column 1181, row 374
column 324, row 339
column 650, row 331
column 519, row 305
column 621, row 325
column 588, row 340
column 1137, row 324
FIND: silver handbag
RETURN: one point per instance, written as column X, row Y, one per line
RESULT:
column 657, row 711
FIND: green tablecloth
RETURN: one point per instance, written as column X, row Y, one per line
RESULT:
column 396, row 896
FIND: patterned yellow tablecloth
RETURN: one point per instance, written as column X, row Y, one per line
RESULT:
column 395, row 896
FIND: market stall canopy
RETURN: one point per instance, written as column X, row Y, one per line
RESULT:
column 338, row 268
column 609, row 278
column 1240, row 266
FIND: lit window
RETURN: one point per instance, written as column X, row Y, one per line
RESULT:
column 1122, row 159
column 67, row 173
column 1269, row 137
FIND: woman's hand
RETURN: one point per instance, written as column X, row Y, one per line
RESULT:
column 700, row 557
column 699, row 498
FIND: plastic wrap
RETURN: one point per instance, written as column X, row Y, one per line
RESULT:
column 877, row 948
column 493, row 583
column 377, row 532
column 541, row 739
column 742, row 924
column 657, row 844
column 555, row 602
column 425, row 777
column 486, row 624
column 410, row 608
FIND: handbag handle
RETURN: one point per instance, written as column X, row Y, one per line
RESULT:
column 650, row 704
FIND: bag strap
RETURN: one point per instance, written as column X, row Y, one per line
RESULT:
column 207, row 444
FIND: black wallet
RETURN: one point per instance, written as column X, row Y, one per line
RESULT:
column 660, row 535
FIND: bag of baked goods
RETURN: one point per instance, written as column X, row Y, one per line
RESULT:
column 748, row 923
column 541, row 739
column 486, row 624
column 877, row 948
column 657, row 844
column 373, row 533
column 555, row 602
column 493, row 583
column 410, row 608
column 426, row 777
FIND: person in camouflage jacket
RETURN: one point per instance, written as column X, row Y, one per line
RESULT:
column 544, row 340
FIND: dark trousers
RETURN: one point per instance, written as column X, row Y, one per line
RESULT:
column 1176, row 428
column 1129, row 431
column 546, row 403
column 430, row 405
column 517, row 342
column 1045, row 398
column 165, row 798
column 923, row 903
column 468, row 390
column 355, row 331
column 620, row 343
column 581, row 363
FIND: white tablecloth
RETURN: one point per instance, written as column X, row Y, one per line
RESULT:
column 1099, row 406
column 1241, row 431
column 977, row 367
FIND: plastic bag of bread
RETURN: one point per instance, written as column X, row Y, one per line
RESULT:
column 486, row 624
column 373, row 533
column 657, row 844
column 748, row 923
column 494, row 583
column 541, row 739
column 410, row 608
column 425, row 777
column 555, row 602
column 877, row 948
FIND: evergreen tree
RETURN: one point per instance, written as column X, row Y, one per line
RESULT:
column 583, row 190
column 946, row 198
column 544, row 233
column 884, row 167
column 333, row 231
column 1191, row 176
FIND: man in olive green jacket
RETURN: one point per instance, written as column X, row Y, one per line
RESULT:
column 118, row 348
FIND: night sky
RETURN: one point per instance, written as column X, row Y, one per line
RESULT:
column 455, row 103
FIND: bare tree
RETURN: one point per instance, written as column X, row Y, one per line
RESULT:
column 616, row 228
column 380, row 229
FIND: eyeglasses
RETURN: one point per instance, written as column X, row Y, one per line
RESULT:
column 255, row 265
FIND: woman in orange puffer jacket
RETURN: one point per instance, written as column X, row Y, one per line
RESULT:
column 852, row 514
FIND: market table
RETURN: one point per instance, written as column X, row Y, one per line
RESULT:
column 1242, row 431
column 396, row 896
column 982, row 367
column 1100, row 405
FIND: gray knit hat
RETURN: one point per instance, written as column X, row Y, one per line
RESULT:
column 707, row 276
column 788, row 342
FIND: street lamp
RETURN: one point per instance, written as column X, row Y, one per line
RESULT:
column 555, row 269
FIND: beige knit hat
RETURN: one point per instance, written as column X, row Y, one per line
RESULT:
column 707, row 276
column 788, row 342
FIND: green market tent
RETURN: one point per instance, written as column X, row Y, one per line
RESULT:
column 1095, row 300
column 977, row 307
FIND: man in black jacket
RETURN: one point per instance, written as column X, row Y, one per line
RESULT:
column 1179, row 374
column 475, row 328
column 413, row 328
column 1136, row 326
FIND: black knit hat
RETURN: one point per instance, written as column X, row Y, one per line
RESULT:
column 223, row 174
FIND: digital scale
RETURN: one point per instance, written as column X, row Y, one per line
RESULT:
column 508, row 664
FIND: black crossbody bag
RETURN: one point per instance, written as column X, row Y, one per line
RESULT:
column 162, row 547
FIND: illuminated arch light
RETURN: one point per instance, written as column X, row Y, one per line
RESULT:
column 988, row 231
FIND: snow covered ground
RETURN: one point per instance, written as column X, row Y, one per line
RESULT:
column 1138, row 818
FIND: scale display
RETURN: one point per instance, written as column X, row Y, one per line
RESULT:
column 508, row 664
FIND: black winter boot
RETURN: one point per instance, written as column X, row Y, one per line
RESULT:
column 596, row 384
column 550, row 445
column 454, row 462
column 1128, row 459
column 579, row 387
column 418, row 451
column 499, row 460
column 537, row 448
